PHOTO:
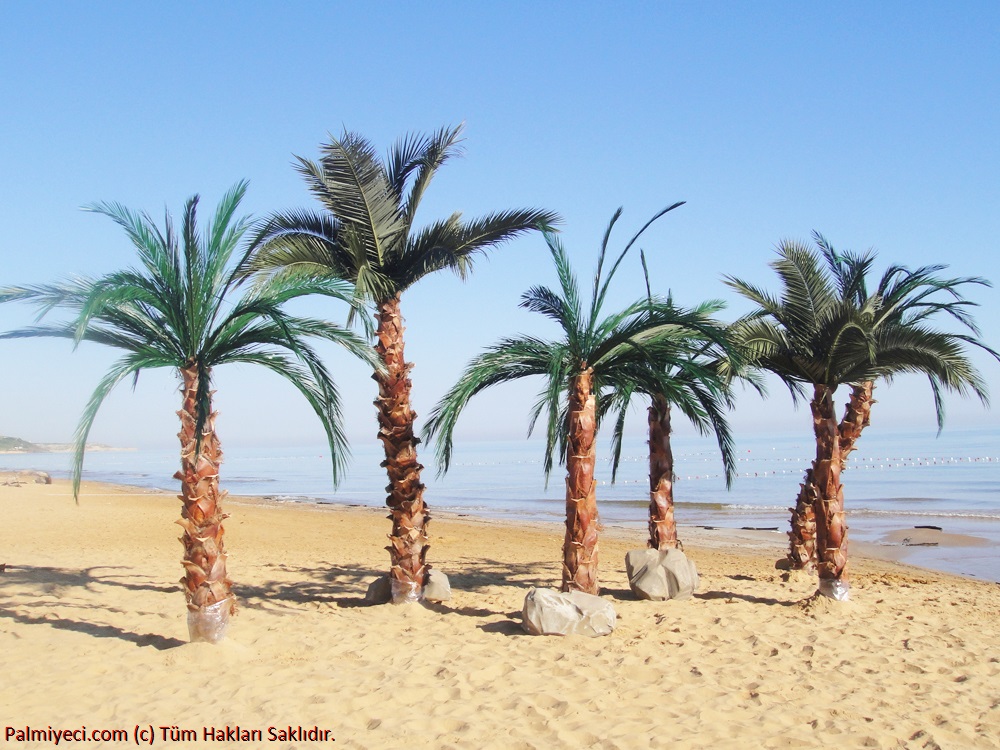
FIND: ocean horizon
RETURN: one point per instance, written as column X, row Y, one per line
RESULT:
column 893, row 481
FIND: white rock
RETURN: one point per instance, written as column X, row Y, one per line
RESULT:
column 661, row 574
column 438, row 588
column 550, row 612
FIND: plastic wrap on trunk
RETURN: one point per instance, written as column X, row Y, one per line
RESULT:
column 405, row 591
column 834, row 588
column 209, row 624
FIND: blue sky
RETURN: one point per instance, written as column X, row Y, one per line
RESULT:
column 874, row 123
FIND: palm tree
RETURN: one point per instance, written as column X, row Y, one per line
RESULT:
column 826, row 330
column 696, row 380
column 595, row 355
column 174, row 312
column 366, row 235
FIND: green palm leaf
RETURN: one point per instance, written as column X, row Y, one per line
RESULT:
column 176, row 312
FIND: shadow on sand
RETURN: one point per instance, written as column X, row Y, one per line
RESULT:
column 289, row 588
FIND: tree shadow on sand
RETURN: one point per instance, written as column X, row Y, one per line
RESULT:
column 56, row 581
column 326, row 583
column 748, row 598
column 482, row 574
column 509, row 627
column 97, row 630
column 346, row 586
column 293, row 588
column 63, row 583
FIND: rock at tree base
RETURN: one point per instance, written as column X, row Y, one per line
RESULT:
column 379, row 591
column 438, row 589
column 550, row 612
column 661, row 574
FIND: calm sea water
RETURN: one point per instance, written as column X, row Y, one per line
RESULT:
column 893, row 481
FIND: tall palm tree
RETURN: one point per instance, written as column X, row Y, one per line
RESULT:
column 595, row 354
column 366, row 235
column 174, row 311
column 826, row 330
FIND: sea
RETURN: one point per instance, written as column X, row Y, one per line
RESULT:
column 893, row 481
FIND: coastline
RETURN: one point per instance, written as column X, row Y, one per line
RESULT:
column 900, row 482
column 92, row 633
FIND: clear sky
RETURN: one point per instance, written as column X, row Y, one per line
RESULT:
column 874, row 123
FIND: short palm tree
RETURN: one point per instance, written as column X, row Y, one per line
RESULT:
column 696, row 379
column 596, row 354
column 175, row 311
column 826, row 330
column 366, row 235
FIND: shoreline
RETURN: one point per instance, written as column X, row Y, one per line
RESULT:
column 897, row 545
column 93, row 633
column 949, row 488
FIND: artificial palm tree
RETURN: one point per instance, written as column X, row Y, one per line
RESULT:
column 175, row 311
column 826, row 330
column 596, row 354
column 696, row 379
column 366, row 235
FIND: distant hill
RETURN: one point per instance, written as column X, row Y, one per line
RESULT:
column 17, row 445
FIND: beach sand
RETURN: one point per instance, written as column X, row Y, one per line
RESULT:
column 93, row 634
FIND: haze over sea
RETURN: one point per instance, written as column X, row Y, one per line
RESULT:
column 893, row 481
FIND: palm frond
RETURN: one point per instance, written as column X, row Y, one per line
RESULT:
column 543, row 300
column 572, row 320
column 319, row 390
column 622, row 397
column 507, row 360
column 351, row 182
column 453, row 244
column 597, row 301
column 293, row 238
column 146, row 238
column 130, row 365
column 366, row 233
column 423, row 158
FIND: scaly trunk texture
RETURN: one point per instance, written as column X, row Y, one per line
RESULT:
column 662, row 526
column 408, row 540
column 856, row 417
column 831, row 523
column 207, row 589
column 802, row 537
column 582, row 522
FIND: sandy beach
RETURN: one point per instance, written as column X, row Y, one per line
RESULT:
column 93, row 634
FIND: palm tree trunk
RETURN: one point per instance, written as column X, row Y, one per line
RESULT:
column 662, row 526
column 582, row 522
column 831, row 523
column 856, row 417
column 802, row 537
column 207, row 589
column 408, row 540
